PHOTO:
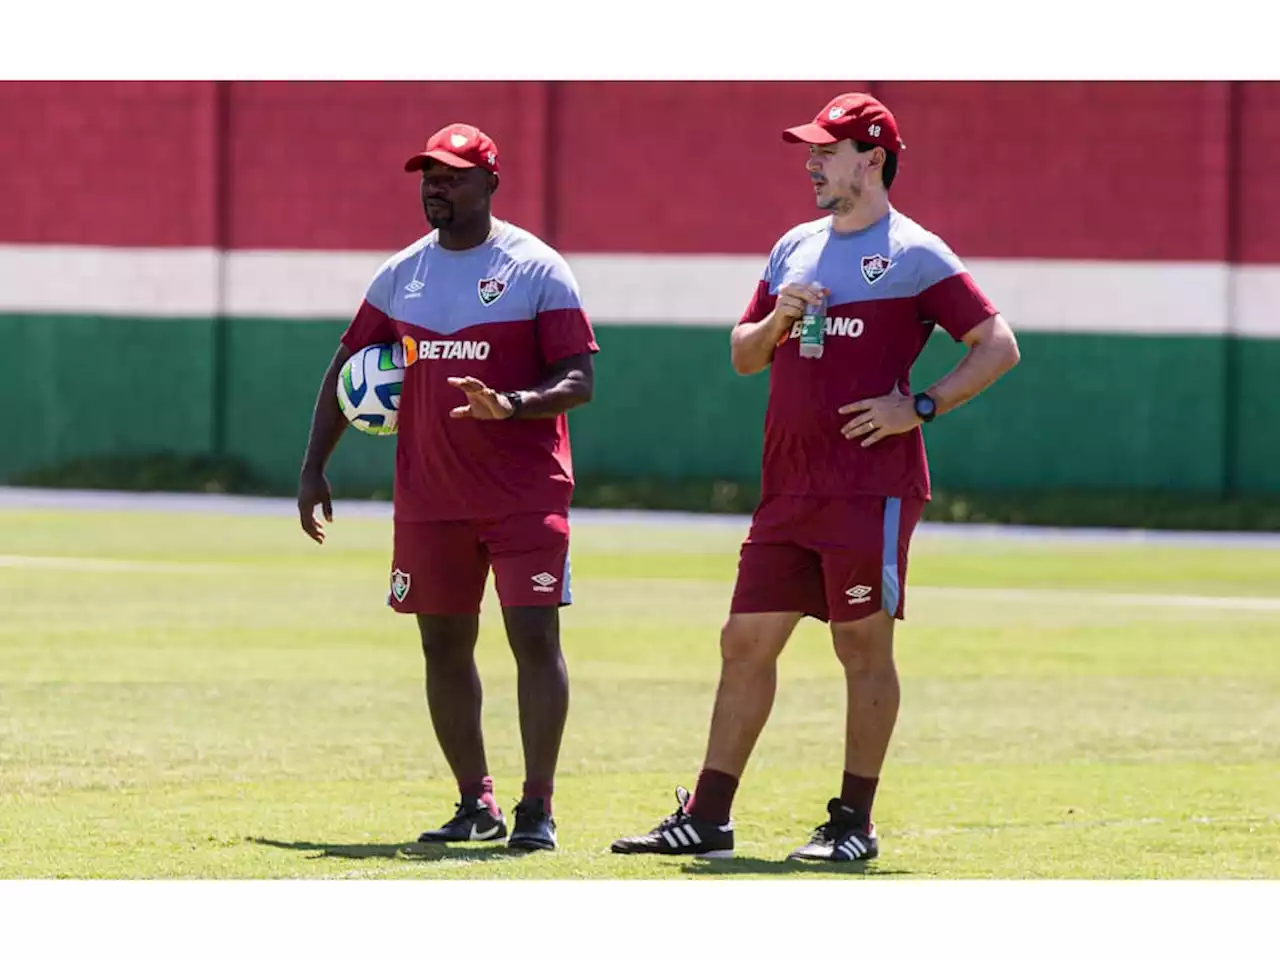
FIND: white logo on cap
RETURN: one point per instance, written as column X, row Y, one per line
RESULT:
column 835, row 113
column 458, row 140
column 492, row 158
column 874, row 129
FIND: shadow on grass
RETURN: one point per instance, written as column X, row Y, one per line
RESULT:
column 391, row 851
column 738, row 866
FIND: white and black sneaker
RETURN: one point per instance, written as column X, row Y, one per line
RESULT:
column 841, row 839
column 472, row 820
column 682, row 834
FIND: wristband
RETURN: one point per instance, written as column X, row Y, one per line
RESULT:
column 517, row 402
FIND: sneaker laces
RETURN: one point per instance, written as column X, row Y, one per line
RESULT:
column 825, row 833
column 460, row 812
column 676, row 819
column 680, row 817
column 836, row 825
column 529, row 810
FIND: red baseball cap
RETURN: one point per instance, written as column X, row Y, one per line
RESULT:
column 850, row 116
column 458, row 145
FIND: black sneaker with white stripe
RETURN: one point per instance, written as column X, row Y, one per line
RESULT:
column 682, row 834
column 841, row 839
column 472, row 820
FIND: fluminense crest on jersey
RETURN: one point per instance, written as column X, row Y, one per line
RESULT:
column 874, row 267
column 490, row 289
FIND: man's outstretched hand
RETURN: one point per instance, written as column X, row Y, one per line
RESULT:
column 483, row 403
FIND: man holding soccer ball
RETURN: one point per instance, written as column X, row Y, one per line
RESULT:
column 497, row 349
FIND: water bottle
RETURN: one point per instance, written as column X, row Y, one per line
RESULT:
column 813, row 327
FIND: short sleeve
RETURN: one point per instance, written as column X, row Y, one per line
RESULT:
column 764, row 299
column 372, row 322
column 562, row 326
column 947, row 295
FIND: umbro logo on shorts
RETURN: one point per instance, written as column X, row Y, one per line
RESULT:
column 544, row 582
column 859, row 594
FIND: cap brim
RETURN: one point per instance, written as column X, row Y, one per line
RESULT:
column 418, row 161
column 808, row 133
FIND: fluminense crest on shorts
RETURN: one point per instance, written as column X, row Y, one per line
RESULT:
column 399, row 584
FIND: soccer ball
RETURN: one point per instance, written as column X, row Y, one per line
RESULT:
column 369, row 388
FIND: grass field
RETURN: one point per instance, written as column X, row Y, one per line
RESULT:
column 198, row 695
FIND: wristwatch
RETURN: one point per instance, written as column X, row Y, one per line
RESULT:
column 517, row 402
column 925, row 406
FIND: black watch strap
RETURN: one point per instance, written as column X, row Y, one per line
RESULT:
column 925, row 406
column 517, row 401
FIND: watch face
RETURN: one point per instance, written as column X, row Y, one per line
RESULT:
column 925, row 406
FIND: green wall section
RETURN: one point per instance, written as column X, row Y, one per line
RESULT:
column 274, row 369
column 1192, row 414
column 1078, row 412
column 667, row 404
column 1088, row 412
column 1255, row 437
column 83, row 386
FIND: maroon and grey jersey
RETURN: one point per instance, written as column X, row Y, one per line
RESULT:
column 503, row 312
column 891, row 284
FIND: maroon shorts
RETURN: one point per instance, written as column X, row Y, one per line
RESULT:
column 829, row 559
column 440, row 567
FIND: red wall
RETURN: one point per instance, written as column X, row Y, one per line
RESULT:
column 1072, row 170
column 1257, row 177
column 107, row 163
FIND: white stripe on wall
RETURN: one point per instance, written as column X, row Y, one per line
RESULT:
column 1034, row 295
column 1257, row 297
column 298, row 284
column 1041, row 295
column 695, row 289
column 1077, row 296
column 172, row 282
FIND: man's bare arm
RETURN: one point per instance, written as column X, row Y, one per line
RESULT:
column 993, row 352
column 327, row 425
